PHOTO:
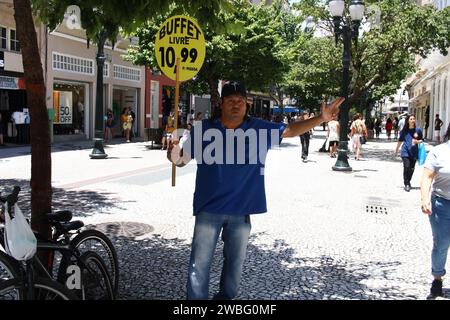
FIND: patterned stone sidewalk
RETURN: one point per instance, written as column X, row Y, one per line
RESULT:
column 319, row 239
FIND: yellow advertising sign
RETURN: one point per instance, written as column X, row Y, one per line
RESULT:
column 180, row 37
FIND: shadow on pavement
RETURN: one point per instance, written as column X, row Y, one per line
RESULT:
column 156, row 268
column 287, row 144
column 380, row 155
column 382, row 140
column 82, row 203
column 15, row 150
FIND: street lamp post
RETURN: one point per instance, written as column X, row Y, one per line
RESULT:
column 73, row 21
column 348, row 32
column 98, row 152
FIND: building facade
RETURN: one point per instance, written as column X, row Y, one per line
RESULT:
column 13, row 98
column 429, row 87
column 70, row 73
column 71, row 85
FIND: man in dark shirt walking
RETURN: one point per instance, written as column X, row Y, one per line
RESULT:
column 437, row 128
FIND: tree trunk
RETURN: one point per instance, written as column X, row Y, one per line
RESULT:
column 215, row 98
column 41, row 189
column 280, row 99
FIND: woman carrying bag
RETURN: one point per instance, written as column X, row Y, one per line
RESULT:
column 410, row 138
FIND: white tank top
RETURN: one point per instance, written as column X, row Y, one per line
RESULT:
column 332, row 125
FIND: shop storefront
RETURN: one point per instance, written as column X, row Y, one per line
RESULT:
column 124, row 98
column 14, row 109
column 69, row 105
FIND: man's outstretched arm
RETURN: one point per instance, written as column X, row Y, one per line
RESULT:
column 300, row 127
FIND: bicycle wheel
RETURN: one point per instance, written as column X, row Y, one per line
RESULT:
column 45, row 289
column 95, row 284
column 9, row 267
column 94, row 240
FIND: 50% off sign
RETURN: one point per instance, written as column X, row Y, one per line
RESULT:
column 180, row 52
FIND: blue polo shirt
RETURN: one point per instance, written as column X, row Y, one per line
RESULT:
column 408, row 149
column 230, row 165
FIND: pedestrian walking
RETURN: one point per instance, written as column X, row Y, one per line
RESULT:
column 304, row 140
column 389, row 126
column 226, row 195
column 409, row 139
column 333, row 136
column 437, row 128
column 377, row 127
column 436, row 177
column 427, row 123
column 358, row 131
column 401, row 123
column 167, row 134
column 133, row 118
column 109, row 125
column 395, row 126
column 126, row 123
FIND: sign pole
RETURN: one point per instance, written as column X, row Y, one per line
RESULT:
column 180, row 52
column 177, row 94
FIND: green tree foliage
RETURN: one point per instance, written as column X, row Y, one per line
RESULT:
column 384, row 55
column 100, row 19
column 115, row 16
column 245, row 48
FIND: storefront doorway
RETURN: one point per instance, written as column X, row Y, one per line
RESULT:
column 69, row 105
column 124, row 98
column 15, row 120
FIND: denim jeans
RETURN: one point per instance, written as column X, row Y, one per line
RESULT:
column 440, row 226
column 235, row 233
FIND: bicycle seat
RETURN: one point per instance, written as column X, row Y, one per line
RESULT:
column 60, row 216
column 73, row 225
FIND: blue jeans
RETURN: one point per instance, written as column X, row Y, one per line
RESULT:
column 440, row 226
column 235, row 233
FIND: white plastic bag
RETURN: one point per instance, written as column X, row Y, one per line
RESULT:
column 20, row 242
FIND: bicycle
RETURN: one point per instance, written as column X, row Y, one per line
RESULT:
column 96, row 281
column 25, row 286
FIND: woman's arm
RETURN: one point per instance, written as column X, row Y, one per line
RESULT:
column 399, row 144
column 425, row 186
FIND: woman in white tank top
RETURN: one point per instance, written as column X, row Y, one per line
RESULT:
column 333, row 136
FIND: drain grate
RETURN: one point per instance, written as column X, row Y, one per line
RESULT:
column 123, row 229
column 375, row 209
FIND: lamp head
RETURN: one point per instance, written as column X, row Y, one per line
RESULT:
column 357, row 9
column 336, row 8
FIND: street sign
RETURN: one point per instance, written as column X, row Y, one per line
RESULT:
column 180, row 37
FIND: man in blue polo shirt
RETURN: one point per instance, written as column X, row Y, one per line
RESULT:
column 230, row 151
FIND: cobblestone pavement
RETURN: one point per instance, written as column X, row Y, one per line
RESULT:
column 327, row 234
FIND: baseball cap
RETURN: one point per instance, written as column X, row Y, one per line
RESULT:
column 233, row 87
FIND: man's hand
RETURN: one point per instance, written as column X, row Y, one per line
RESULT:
column 327, row 113
column 426, row 207
column 173, row 151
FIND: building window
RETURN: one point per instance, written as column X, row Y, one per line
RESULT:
column 106, row 70
column 68, row 108
column 127, row 73
column 14, row 43
column 3, row 39
column 64, row 62
column 445, row 93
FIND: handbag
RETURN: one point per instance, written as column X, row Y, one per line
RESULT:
column 20, row 241
column 422, row 153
